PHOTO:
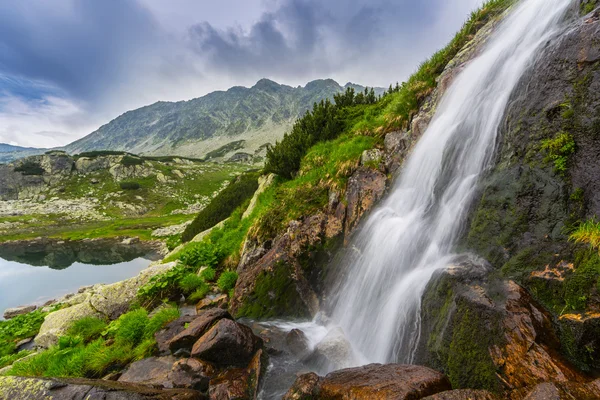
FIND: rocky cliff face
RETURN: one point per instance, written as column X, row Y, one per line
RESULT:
column 535, row 197
column 531, row 315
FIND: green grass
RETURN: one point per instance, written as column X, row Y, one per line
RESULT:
column 588, row 233
column 327, row 165
column 199, row 293
column 129, row 338
column 208, row 274
column 88, row 328
column 227, row 281
column 16, row 329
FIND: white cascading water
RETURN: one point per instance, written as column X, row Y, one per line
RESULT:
column 415, row 231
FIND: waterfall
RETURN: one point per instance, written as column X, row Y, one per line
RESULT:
column 413, row 233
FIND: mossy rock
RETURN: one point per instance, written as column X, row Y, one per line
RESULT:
column 275, row 295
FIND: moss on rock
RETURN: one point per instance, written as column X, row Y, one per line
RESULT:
column 275, row 295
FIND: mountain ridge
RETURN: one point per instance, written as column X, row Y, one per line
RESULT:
column 259, row 115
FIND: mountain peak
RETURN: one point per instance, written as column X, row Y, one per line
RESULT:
column 266, row 85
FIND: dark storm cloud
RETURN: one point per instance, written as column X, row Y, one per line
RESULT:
column 83, row 47
column 301, row 37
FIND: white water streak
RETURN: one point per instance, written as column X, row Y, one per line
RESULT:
column 414, row 232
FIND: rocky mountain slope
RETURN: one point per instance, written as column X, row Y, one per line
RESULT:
column 239, row 120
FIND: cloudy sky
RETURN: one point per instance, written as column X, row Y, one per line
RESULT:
column 69, row 66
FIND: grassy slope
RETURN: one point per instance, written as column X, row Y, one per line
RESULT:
column 161, row 202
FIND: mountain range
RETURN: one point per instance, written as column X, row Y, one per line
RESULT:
column 220, row 125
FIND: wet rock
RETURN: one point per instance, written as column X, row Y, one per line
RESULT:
column 584, row 332
column 510, row 339
column 18, row 388
column 197, row 327
column 239, row 383
column 227, row 343
column 334, row 350
column 365, row 188
column 419, row 125
column 190, row 373
column 298, row 344
column 219, row 301
column 152, row 371
column 372, row 382
column 396, row 142
column 397, row 145
column 463, row 394
column 306, row 386
column 13, row 312
column 172, row 329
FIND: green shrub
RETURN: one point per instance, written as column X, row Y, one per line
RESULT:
column 190, row 282
column 173, row 242
column 208, row 274
column 129, row 185
column 163, row 286
column 227, row 281
column 129, row 161
column 88, row 328
column 200, row 254
column 101, row 153
column 222, row 205
column 200, row 293
column 16, row 329
column 559, row 149
column 30, row 168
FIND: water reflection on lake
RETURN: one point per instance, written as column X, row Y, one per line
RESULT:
column 38, row 272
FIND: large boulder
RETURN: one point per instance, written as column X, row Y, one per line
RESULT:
column 486, row 333
column 227, row 343
column 85, row 165
column 371, row 382
column 172, row 329
column 168, row 372
column 103, row 301
column 18, row 388
column 196, row 328
column 334, row 351
column 56, row 324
